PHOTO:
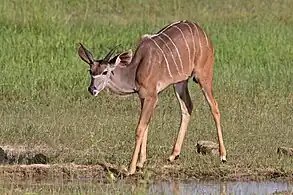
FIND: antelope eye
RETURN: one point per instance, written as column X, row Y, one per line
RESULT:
column 105, row 72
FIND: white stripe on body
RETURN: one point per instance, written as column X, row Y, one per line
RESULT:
column 164, row 57
column 170, row 25
column 171, row 53
column 189, row 61
column 192, row 37
column 162, row 32
column 200, row 45
column 179, row 56
column 205, row 35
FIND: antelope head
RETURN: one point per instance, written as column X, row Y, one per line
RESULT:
column 101, row 70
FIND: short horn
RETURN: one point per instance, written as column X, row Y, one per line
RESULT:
column 110, row 54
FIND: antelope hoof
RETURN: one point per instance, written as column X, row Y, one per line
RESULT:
column 130, row 172
column 140, row 165
column 223, row 159
column 172, row 158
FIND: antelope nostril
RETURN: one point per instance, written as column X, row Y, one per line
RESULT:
column 95, row 92
column 92, row 90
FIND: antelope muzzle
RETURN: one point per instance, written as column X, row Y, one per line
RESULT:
column 93, row 90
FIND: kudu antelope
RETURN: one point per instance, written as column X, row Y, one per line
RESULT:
column 176, row 53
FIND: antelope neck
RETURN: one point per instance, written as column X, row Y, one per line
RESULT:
column 122, row 82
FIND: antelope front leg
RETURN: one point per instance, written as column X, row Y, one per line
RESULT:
column 148, row 106
column 142, row 155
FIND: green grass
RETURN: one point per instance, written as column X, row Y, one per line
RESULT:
column 43, row 83
column 64, row 188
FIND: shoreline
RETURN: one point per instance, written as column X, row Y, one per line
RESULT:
column 108, row 173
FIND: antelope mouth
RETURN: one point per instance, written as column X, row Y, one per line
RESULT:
column 95, row 93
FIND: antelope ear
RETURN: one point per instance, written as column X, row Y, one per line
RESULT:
column 122, row 59
column 85, row 54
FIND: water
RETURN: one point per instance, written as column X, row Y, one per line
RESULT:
column 238, row 188
column 176, row 188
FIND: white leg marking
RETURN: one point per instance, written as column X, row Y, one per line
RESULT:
column 207, row 97
column 185, row 43
column 179, row 56
column 171, row 54
column 164, row 57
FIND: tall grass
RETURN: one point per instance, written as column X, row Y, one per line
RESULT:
column 44, row 101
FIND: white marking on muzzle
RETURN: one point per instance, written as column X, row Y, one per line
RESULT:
column 96, row 76
column 104, row 78
column 95, row 92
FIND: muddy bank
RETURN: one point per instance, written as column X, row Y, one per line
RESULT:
column 20, row 163
column 105, row 173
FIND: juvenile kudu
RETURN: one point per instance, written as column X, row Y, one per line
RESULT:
column 176, row 53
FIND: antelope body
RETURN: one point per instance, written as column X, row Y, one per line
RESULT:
column 179, row 51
